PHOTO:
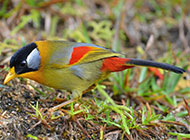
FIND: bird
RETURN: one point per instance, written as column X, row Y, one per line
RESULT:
column 75, row 67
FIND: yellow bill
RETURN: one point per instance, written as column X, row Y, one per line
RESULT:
column 10, row 75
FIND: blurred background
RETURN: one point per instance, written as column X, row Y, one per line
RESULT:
column 148, row 29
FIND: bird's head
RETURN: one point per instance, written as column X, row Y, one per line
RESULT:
column 25, row 60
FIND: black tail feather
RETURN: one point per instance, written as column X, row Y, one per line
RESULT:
column 149, row 63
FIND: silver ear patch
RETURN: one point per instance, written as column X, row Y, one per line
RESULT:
column 33, row 59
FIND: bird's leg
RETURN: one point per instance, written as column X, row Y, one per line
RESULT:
column 76, row 94
column 74, row 97
column 89, row 89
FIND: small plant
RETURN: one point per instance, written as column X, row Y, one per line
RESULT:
column 32, row 137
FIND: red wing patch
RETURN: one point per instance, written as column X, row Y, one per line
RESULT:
column 114, row 64
column 78, row 53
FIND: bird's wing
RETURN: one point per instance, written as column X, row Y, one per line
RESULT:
column 84, row 53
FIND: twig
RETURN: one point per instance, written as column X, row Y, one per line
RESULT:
column 182, row 35
column 143, row 133
column 149, row 109
column 150, row 42
column 112, row 132
column 82, row 128
column 187, row 107
column 36, row 124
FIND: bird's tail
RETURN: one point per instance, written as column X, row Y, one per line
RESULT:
column 148, row 63
column 114, row 64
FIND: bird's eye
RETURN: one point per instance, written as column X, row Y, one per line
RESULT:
column 23, row 64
